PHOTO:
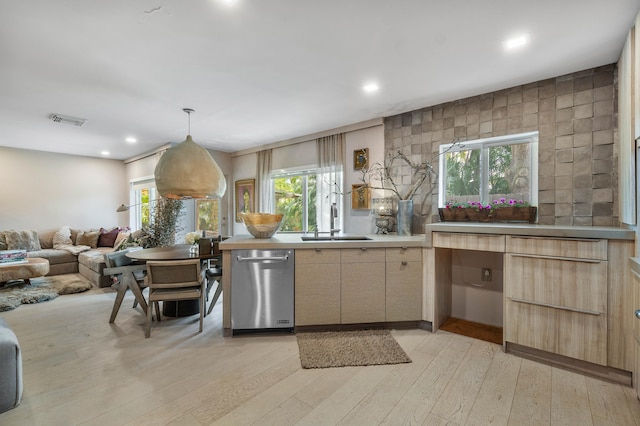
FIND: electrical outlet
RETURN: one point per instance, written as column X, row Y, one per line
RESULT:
column 486, row 274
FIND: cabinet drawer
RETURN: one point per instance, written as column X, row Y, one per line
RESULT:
column 331, row 256
column 360, row 255
column 577, row 284
column 407, row 254
column 568, row 333
column 484, row 242
column 577, row 248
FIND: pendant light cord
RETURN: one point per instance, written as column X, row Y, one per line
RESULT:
column 188, row 111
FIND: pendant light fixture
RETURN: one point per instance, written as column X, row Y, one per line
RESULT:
column 188, row 171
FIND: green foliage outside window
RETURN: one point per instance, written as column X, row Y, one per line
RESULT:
column 295, row 203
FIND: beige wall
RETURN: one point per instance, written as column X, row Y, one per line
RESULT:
column 575, row 116
column 45, row 191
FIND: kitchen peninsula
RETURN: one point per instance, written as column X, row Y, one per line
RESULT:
column 339, row 282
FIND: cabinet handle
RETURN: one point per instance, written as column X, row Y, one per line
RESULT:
column 363, row 248
column 403, row 247
column 638, row 313
column 318, row 250
column 550, row 305
column 571, row 259
column 404, row 263
column 584, row 240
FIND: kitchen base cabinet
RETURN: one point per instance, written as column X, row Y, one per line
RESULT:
column 403, row 284
column 363, row 285
column 556, row 296
column 317, row 295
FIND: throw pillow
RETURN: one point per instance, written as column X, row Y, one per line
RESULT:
column 88, row 239
column 3, row 241
column 62, row 237
column 23, row 240
column 120, row 239
column 107, row 238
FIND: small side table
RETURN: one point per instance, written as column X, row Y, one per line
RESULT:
column 34, row 267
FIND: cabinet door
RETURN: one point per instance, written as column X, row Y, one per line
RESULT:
column 317, row 287
column 363, row 292
column 403, row 284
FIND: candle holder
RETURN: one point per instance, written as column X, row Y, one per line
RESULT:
column 385, row 210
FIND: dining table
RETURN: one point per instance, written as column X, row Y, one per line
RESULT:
column 176, row 252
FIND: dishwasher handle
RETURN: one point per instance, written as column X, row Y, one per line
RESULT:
column 262, row 258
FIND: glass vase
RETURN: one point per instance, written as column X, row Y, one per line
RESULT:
column 405, row 215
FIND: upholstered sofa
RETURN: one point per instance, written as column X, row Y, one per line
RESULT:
column 83, row 254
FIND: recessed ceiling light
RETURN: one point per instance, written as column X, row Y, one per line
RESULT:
column 105, row 153
column 131, row 139
column 516, row 42
column 370, row 87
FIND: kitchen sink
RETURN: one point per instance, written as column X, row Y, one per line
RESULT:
column 336, row 238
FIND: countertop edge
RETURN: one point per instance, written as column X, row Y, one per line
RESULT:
column 532, row 230
column 293, row 241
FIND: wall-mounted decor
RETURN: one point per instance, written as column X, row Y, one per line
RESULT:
column 207, row 214
column 245, row 197
column 360, row 197
column 360, row 157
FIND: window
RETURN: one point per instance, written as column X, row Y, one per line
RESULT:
column 298, row 196
column 141, row 198
column 490, row 169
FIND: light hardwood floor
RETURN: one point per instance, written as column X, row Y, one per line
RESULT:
column 78, row 369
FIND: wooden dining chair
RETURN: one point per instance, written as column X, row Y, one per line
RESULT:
column 126, row 275
column 213, row 275
column 174, row 280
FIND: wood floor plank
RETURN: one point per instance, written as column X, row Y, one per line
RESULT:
column 377, row 405
column 532, row 399
column 494, row 401
column 447, row 351
column 457, row 398
column 603, row 397
column 569, row 399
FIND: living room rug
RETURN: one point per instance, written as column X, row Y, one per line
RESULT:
column 349, row 348
column 16, row 293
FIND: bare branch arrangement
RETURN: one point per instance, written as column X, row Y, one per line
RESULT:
column 421, row 172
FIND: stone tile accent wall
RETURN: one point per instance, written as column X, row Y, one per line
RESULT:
column 576, row 117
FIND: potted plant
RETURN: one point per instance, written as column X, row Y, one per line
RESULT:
column 500, row 210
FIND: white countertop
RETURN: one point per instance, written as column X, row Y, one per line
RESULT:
column 527, row 229
column 294, row 241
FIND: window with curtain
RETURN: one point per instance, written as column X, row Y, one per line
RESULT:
column 490, row 169
column 330, row 152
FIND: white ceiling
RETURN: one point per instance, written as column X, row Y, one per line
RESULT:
column 263, row 71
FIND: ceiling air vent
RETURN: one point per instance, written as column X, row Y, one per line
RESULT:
column 67, row 119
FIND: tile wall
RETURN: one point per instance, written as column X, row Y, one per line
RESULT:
column 576, row 118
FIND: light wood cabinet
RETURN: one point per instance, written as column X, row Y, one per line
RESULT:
column 556, row 296
column 635, row 282
column 403, row 284
column 363, row 285
column 317, row 294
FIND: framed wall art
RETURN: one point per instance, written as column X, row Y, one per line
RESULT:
column 360, row 197
column 245, row 197
column 360, row 157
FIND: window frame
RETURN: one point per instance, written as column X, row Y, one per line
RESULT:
column 305, row 172
column 531, row 138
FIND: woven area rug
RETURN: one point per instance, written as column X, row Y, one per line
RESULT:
column 16, row 293
column 349, row 348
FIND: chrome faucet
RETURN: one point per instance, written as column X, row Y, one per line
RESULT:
column 333, row 215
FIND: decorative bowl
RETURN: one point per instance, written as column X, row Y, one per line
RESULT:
column 262, row 225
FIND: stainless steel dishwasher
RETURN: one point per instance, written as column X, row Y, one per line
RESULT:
column 262, row 290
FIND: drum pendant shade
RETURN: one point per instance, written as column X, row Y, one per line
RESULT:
column 188, row 171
